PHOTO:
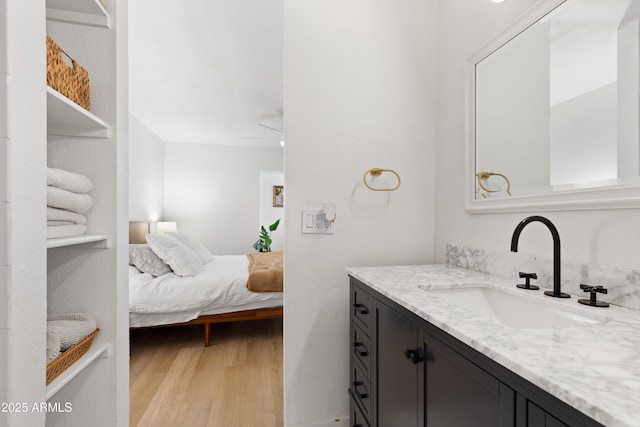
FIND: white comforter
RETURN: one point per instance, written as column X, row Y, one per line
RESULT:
column 222, row 282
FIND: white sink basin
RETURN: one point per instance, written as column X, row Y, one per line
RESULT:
column 513, row 310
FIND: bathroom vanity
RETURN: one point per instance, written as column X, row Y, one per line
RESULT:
column 427, row 348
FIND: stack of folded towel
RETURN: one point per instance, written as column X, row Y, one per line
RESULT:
column 67, row 200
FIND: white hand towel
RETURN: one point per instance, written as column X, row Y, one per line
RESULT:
column 54, row 214
column 63, row 199
column 69, row 181
column 58, row 231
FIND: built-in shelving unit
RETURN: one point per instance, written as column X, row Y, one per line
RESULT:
column 85, row 12
column 84, row 273
column 66, row 118
column 98, row 349
column 79, row 274
column 102, row 240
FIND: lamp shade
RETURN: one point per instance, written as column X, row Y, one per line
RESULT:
column 163, row 227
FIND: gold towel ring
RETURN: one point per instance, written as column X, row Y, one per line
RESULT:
column 378, row 172
column 486, row 175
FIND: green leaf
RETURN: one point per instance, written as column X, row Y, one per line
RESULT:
column 274, row 226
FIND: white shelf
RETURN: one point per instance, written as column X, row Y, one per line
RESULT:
column 66, row 118
column 98, row 348
column 85, row 12
column 79, row 240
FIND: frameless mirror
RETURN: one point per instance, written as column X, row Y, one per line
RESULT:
column 554, row 109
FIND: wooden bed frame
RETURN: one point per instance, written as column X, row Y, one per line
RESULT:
column 208, row 319
column 137, row 232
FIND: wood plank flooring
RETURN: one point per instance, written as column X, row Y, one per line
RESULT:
column 235, row 382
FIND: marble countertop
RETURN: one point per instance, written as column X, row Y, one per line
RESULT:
column 595, row 368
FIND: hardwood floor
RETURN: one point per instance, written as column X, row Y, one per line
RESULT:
column 235, row 382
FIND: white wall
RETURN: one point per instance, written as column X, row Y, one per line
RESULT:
column 604, row 237
column 5, row 204
column 212, row 191
column 359, row 93
column 268, row 213
column 146, row 173
column 22, row 208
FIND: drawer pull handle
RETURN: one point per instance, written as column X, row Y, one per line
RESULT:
column 357, row 384
column 361, row 308
column 413, row 355
column 361, row 353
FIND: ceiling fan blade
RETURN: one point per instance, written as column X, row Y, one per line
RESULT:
column 270, row 128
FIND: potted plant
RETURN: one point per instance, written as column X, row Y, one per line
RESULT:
column 263, row 244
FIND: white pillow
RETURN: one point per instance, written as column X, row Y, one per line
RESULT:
column 193, row 244
column 182, row 260
column 147, row 261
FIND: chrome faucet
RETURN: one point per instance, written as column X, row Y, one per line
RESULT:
column 556, row 251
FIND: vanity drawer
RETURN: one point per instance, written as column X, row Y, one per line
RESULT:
column 361, row 349
column 361, row 308
column 361, row 390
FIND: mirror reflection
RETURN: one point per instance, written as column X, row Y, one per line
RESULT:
column 557, row 107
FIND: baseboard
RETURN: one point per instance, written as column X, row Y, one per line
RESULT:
column 336, row 422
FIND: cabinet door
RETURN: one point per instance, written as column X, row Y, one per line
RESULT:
column 399, row 379
column 459, row 393
column 531, row 415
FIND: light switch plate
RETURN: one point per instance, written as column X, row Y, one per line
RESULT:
column 315, row 222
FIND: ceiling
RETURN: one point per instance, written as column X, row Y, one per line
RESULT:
column 208, row 71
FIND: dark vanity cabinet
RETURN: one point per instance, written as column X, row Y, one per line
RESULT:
column 405, row 372
column 400, row 370
column 362, row 329
column 459, row 393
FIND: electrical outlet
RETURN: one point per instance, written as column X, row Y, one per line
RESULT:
column 314, row 221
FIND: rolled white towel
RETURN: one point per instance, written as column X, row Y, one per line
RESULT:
column 54, row 214
column 63, row 199
column 57, row 231
column 69, row 181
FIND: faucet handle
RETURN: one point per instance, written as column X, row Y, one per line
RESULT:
column 527, row 281
column 593, row 291
column 589, row 288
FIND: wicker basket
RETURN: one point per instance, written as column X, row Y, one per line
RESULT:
column 69, row 357
column 71, row 81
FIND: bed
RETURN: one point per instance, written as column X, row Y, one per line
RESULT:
column 217, row 293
